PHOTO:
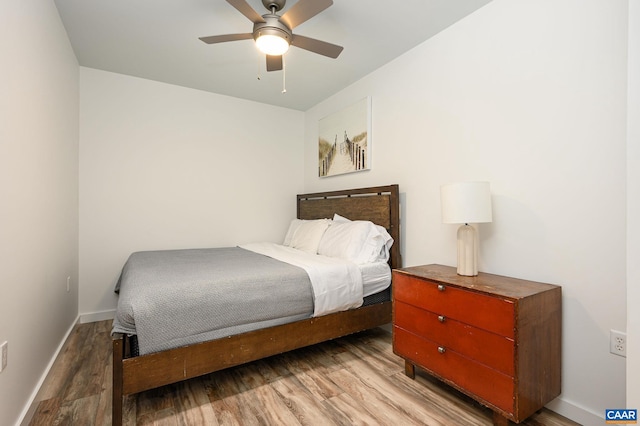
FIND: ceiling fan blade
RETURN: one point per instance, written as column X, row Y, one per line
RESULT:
column 316, row 46
column 226, row 37
column 303, row 11
column 243, row 7
column 274, row 63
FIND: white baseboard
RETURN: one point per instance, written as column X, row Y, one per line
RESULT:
column 575, row 412
column 30, row 408
column 97, row 316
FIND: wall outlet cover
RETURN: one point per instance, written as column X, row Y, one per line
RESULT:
column 618, row 343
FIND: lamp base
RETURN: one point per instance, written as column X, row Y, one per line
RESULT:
column 467, row 251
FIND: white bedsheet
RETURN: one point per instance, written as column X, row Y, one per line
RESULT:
column 375, row 277
column 337, row 283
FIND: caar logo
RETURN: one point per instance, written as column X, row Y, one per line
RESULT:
column 621, row 417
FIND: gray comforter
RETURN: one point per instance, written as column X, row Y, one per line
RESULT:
column 174, row 298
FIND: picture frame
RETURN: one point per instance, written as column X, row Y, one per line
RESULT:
column 344, row 140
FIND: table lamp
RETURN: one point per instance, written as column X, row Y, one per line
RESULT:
column 465, row 203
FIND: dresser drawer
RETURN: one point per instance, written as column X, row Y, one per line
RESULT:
column 469, row 376
column 493, row 314
column 487, row 348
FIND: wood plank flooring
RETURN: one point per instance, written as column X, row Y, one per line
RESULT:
column 355, row 380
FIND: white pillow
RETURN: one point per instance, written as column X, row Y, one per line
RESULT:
column 357, row 241
column 295, row 223
column 388, row 240
column 338, row 218
column 308, row 234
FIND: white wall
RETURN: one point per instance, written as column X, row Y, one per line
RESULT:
column 530, row 96
column 633, row 209
column 165, row 167
column 38, row 195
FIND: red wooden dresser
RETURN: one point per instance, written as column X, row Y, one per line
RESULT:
column 494, row 338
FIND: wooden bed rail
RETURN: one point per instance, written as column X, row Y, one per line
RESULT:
column 117, row 395
column 137, row 374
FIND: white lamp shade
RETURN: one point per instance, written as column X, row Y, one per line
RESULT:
column 466, row 202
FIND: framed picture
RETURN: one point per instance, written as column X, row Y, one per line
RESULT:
column 344, row 140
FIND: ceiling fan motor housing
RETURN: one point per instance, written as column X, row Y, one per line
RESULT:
column 272, row 26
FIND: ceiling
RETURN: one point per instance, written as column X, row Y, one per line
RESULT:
column 158, row 40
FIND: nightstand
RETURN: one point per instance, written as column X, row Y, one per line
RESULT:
column 494, row 338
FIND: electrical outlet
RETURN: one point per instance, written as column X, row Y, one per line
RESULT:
column 618, row 343
column 68, row 284
column 4, row 347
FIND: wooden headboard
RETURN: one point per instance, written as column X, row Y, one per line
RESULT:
column 379, row 204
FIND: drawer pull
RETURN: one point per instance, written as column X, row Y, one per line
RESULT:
column 441, row 318
column 441, row 349
column 441, row 287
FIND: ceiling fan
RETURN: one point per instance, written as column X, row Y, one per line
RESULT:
column 273, row 33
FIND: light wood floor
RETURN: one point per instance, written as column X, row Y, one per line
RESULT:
column 352, row 380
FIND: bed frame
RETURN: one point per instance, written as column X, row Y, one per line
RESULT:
column 131, row 375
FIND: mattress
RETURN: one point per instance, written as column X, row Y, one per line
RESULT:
column 375, row 277
column 372, row 299
column 169, row 299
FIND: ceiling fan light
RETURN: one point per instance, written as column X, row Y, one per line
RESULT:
column 270, row 44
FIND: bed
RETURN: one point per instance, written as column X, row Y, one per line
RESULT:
column 133, row 372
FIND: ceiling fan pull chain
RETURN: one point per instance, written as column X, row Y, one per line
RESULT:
column 259, row 65
column 284, row 76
